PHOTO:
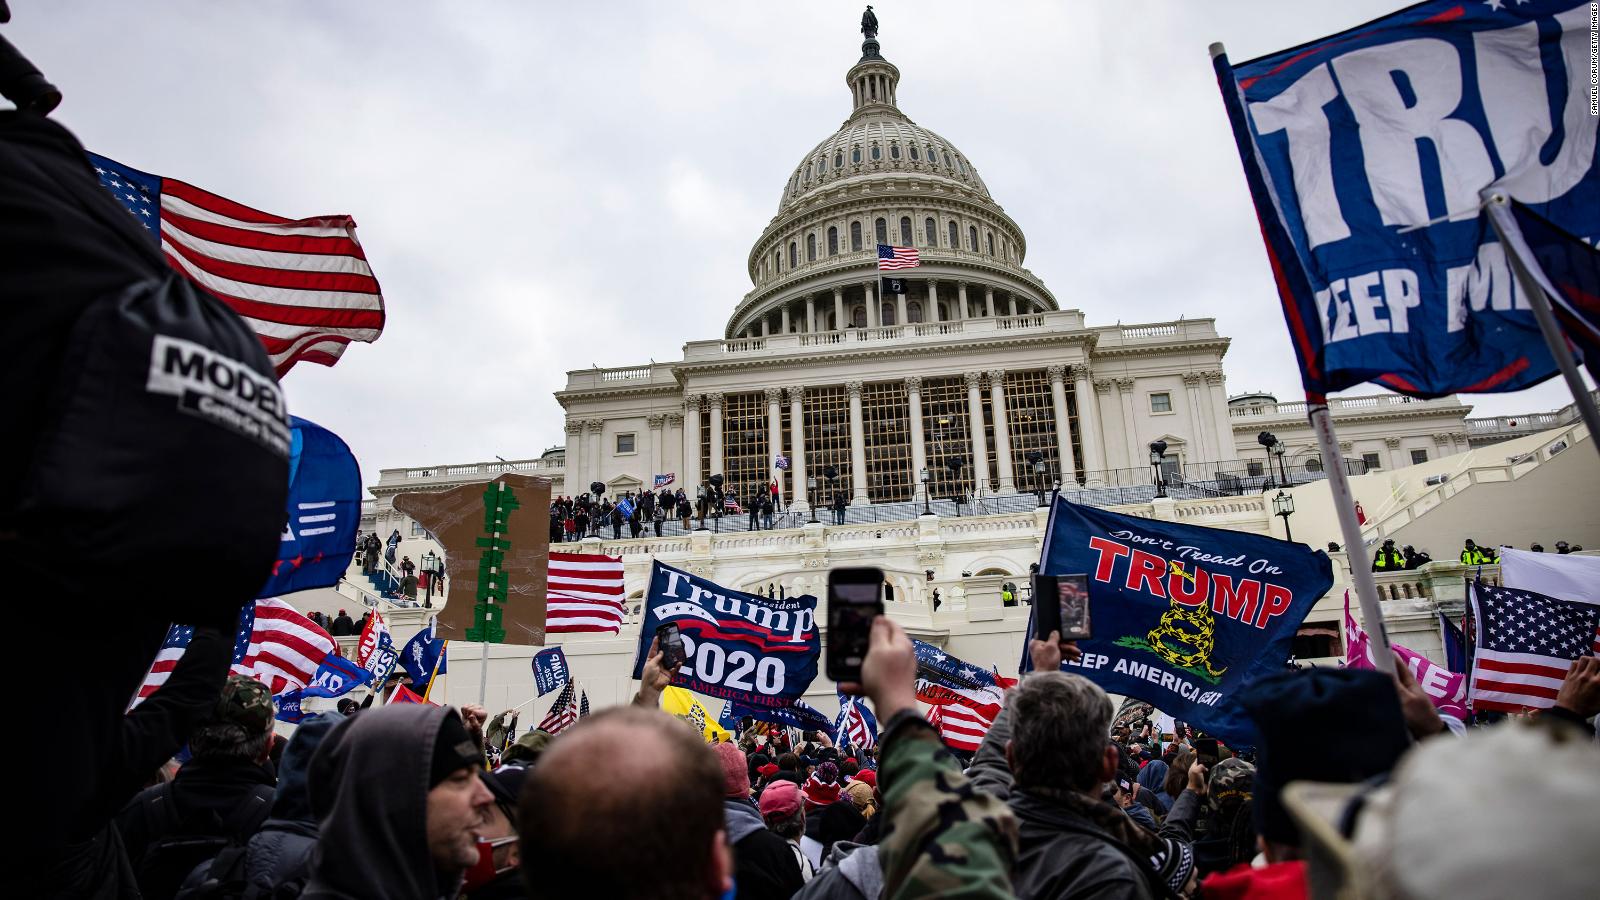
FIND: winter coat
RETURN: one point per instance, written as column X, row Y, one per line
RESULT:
column 764, row 864
column 851, row 872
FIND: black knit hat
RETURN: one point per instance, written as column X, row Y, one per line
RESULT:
column 1332, row 725
column 453, row 750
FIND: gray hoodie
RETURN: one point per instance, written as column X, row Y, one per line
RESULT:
column 369, row 790
column 851, row 872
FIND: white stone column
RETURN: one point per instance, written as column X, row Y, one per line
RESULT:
column 961, row 301
column 573, row 470
column 595, row 455
column 919, row 452
column 811, row 313
column 766, row 325
column 1129, row 432
column 988, row 302
column 858, row 445
column 797, row 443
column 900, row 317
column 1011, row 301
column 714, row 400
column 656, row 423
column 1202, row 420
column 1397, row 459
column 1217, row 391
column 774, row 434
column 1058, row 402
column 679, row 465
column 1002, row 431
column 783, row 326
column 1094, row 443
column 980, row 444
column 874, row 315
column 690, row 476
column 839, row 321
column 933, row 301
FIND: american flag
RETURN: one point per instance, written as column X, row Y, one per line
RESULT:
column 274, row 644
column 856, row 726
column 964, row 726
column 893, row 258
column 567, row 710
column 583, row 593
column 1526, row 642
column 303, row 286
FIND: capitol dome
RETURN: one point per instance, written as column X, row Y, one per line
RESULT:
column 882, row 179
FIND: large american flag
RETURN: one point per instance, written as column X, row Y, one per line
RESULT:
column 583, row 593
column 855, row 726
column 1526, row 642
column 273, row 644
column 893, row 258
column 567, row 709
column 303, row 285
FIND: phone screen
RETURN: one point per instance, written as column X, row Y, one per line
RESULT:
column 852, row 605
column 1205, row 751
column 671, row 643
column 1072, row 595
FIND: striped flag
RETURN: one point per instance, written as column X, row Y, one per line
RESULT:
column 855, row 726
column 565, row 711
column 274, row 644
column 584, row 593
column 303, row 286
column 1525, row 643
column 893, row 258
column 963, row 727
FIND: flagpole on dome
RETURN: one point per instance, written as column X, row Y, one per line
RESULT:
column 1522, row 266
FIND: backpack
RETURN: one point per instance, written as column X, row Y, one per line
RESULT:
column 176, row 851
column 225, row 879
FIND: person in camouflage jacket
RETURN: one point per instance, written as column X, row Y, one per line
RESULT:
column 942, row 836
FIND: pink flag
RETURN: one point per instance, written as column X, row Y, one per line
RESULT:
column 1447, row 689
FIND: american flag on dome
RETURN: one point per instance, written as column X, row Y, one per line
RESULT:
column 303, row 285
column 566, row 710
column 893, row 258
column 583, row 593
column 274, row 644
column 1525, row 643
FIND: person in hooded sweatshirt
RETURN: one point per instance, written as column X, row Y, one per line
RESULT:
column 764, row 866
column 399, row 804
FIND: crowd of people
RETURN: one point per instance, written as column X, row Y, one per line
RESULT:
column 1407, row 558
column 423, row 801
column 587, row 515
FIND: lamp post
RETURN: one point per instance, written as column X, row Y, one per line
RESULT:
column 717, row 501
column 1268, row 440
column 1278, row 450
column 927, row 480
column 832, row 474
column 811, row 491
column 1283, row 505
column 430, row 564
column 1158, row 452
column 954, row 464
column 1036, row 462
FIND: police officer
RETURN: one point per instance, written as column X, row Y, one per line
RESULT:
column 1472, row 555
column 1387, row 559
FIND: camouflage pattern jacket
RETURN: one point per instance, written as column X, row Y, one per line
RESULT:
column 942, row 837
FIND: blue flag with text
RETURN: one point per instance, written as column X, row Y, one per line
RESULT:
column 747, row 648
column 1368, row 155
column 549, row 670
column 423, row 654
column 1183, row 616
column 319, row 529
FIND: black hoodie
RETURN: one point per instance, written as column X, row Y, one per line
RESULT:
column 369, row 791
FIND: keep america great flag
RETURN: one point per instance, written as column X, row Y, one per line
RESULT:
column 302, row 285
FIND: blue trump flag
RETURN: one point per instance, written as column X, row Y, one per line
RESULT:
column 336, row 677
column 800, row 714
column 1183, row 616
column 1568, row 270
column 549, row 670
column 319, row 531
column 755, row 651
column 1367, row 154
column 288, row 706
column 421, row 655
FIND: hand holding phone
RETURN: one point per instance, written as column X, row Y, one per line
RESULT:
column 1061, row 604
column 855, row 598
column 670, row 641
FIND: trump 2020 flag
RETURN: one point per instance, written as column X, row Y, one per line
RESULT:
column 319, row 530
column 1368, row 154
column 747, row 648
column 549, row 670
column 1183, row 616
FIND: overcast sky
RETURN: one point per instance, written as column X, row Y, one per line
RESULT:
column 544, row 187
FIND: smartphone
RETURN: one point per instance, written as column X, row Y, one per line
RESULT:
column 1069, row 611
column 855, row 598
column 670, row 641
column 1205, row 751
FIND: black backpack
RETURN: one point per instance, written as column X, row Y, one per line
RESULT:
column 225, row 879
column 177, row 847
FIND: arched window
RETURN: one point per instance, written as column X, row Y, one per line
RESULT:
column 880, row 230
column 811, row 248
column 894, row 150
column 808, row 172
column 858, row 317
column 905, row 231
column 991, row 243
column 822, row 163
column 794, row 255
column 959, row 167
column 972, row 235
column 914, row 313
column 838, row 160
column 913, row 149
column 933, row 154
column 833, row 240
column 877, row 152
column 855, row 235
column 855, row 154
column 955, row 237
column 887, row 314
column 930, row 232
column 777, row 261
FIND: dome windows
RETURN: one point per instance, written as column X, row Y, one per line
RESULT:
column 838, row 159
column 972, row 235
column 894, row 150
column 959, row 167
column 855, row 235
column 877, row 152
column 913, row 150
column 855, row 154
column 880, row 230
column 930, row 232
column 807, row 179
column 811, row 247
column 794, row 254
column 933, row 154
column 833, row 240
column 991, row 243
column 905, row 232
column 955, row 237
column 822, row 164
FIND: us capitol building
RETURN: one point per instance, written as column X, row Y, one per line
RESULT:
column 972, row 383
